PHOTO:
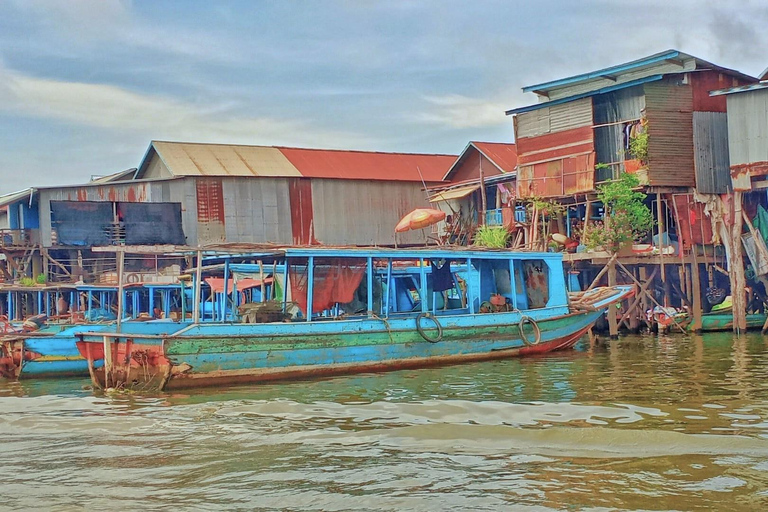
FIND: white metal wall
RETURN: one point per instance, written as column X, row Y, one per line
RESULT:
column 748, row 127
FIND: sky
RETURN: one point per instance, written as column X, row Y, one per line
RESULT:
column 85, row 85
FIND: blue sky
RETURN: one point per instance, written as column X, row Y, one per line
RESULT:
column 86, row 84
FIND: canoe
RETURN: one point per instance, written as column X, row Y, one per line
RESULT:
column 724, row 321
column 533, row 317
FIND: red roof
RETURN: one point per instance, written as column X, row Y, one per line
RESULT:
column 368, row 165
column 502, row 154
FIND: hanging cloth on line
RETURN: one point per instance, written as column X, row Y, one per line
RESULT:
column 442, row 278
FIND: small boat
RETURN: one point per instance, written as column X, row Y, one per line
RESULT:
column 723, row 321
column 49, row 350
column 420, row 307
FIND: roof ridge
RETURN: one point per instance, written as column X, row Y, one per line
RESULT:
column 303, row 149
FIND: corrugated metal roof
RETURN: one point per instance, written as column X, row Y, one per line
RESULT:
column 502, row 154
column 198, row 159
column 366, row 165
column 544, row 104
column 193, row 159
column 456, row 193
column 742, row 88
column 631, row 66
column 117, row 176
column 14, row 197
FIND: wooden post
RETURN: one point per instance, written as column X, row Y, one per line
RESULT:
column 660, row 222
column 483, row 198
column 696, row 285
column 198, row 288
column 613, row 326
column 120, row 288
column 634, row 322
column 736, row 269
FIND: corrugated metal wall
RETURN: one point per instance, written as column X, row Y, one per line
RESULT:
column 615, row 109
column 364, row 213
column 710, row 145
column 748, row 127
column 554, row 119
column 554, row 148
column 257, row 210
column 669, row 110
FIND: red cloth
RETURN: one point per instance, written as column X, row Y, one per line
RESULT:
column 335, row 282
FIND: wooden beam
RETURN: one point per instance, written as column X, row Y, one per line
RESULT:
column 601, row 273
column 649, row 295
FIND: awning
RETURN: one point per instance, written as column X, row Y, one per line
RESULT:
column 456, row 193
column 217, row 284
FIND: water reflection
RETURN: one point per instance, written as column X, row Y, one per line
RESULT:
column 644, row 422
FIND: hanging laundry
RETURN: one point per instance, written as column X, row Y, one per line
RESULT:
column 442, row 278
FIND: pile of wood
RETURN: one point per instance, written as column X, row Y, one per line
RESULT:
column 584, row 301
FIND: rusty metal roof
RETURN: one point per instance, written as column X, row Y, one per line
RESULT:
column 197, row 159
column 368, row 165
column 502, row 154
column 193, row 159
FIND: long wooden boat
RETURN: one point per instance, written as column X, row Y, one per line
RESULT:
column 505, row 304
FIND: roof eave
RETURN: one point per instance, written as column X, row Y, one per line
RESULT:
column 604, row 90
column 541, row 88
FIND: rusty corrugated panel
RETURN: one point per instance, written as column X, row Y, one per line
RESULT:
column 300, row 190
column 367, row 165
column 556, row 164
column 703, row 82
column 710, row 144
column 669, row 110
column 210, row 211
column 503, row 155
column 694, row 227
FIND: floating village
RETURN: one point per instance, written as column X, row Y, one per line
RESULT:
column 633, row 198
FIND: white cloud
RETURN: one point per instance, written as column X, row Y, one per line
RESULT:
column 457, row 111
column 158, row 117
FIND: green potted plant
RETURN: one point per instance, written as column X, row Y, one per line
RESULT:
column 627, row 218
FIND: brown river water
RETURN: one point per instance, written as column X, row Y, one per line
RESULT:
column 645, row 423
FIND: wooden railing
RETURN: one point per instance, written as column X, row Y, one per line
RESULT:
column 16, row 237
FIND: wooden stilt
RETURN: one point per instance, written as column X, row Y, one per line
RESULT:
column 627, row 272
column 633, row 320
column 613, row 326
column 696, row 296
column 736, row 269
column 641, row 290
column 660, row 222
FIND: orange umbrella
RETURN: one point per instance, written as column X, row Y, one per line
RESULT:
column 419, row 218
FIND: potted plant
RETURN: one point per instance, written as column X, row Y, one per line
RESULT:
column 627, row 218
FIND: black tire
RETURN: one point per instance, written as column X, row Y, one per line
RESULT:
column 537, row 331
column 420, row 329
